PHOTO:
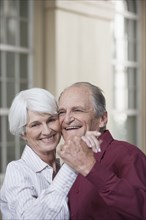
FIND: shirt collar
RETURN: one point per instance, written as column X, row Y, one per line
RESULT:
column 106, row 138
column 33, row 160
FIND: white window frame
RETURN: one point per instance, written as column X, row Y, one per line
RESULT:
column 132, row 64
column 4, row 111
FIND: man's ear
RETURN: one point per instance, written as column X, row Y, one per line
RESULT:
column 103, row 120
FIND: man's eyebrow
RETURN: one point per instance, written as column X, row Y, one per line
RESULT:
column 60, row 109
column 78, row 106
column 72, row 108
column 53, row 115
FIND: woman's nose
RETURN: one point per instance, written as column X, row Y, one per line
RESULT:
column 46, row 129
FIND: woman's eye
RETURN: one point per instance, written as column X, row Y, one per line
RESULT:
column 52, row 119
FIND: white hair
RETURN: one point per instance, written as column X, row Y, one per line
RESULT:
column 34, row 99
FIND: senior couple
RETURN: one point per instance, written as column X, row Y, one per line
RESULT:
column 101, row 178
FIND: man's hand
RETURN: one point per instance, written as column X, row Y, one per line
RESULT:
column 77, row 155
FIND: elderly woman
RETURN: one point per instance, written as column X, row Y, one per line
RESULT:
column 30, row 190
column 34, row 187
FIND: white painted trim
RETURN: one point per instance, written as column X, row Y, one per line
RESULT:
column 4, row 47
column 101, row 9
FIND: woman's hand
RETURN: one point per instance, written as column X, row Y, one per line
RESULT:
column 91, row 140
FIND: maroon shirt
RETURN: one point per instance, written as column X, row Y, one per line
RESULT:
column 115, row 188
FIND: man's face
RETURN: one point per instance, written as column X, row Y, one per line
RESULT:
column 76, row 113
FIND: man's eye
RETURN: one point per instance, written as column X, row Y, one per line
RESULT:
column 78, row 110
column 61, row 113
column 34, row 125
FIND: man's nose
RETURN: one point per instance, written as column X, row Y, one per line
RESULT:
column 69, row 117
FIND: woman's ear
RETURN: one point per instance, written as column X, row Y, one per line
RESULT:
column 103, row 120
column 23, row 136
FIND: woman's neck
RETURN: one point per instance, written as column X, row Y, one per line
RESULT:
column 49, row 158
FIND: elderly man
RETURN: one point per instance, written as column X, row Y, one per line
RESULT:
column 111, row 184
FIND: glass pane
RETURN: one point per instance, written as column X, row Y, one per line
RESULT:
column 0, row 128
column 22, row 146
column 10, row 67
column 131, row 74
column 132, row 55
column 11, row 153
column 24, row 9
column 130, row 39
column 2, row 30
column 124, row 127
column 4, row 141
column 10, row 137
column 0, row 158
column 132, row 6
column 1, row 7
column 11, row 7
column 119, row 120
column 10, row 92
column 23, row 66
column 23, row 34
column 130, row 29
column 0, row 65
column 132, row 92
column 131, row 126
column 12, row 27
column 0, row 94
column 132, row 99
column 23, row 85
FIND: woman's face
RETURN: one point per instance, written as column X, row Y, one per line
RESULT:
column 42, row 132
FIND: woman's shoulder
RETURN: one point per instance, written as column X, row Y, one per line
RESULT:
column 16, row 164
column 17, row 168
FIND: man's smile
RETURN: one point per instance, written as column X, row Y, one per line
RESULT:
column 72, row 127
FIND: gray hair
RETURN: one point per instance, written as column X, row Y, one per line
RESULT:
column 98, row 99
column 34, row 99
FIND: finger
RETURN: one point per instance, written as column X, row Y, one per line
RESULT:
column 87, row 141
column 95, row 133
column 92, row 142
column 95, row 143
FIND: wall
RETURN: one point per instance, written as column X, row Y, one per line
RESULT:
column 78, row 44
column 38, row 44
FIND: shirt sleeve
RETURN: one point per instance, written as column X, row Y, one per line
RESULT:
column 23, row 201
column 124, row 189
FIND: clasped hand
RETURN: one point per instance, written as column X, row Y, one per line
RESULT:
column 78, row 152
